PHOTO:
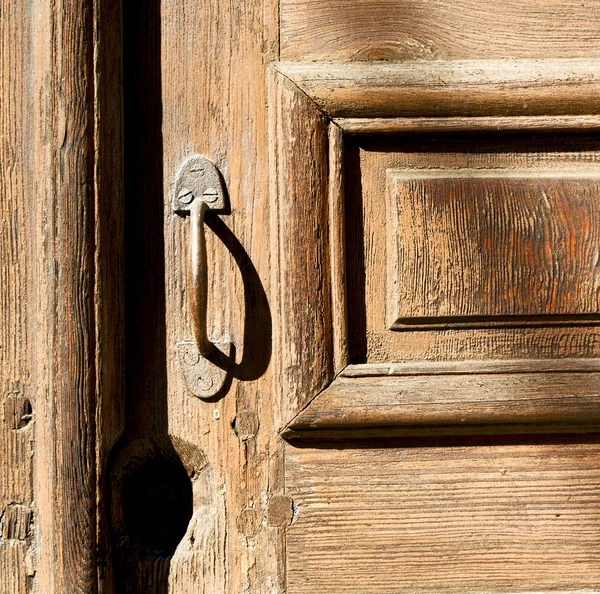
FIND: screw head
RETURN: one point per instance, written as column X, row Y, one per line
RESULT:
column 186, row 196
column 210, row 195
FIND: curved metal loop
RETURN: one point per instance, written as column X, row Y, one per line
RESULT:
column 198, row 278
column 198, row 189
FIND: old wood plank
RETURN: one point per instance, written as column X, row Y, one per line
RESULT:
column 17, row 386
column 215, row 103
column 451, row 403
column 109, row 260
column 486, row 515
column 196, row 83
column 303, row 244
column 450, row 88
column 73, row 300
column 437, row 29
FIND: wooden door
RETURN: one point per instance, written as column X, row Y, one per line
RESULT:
column 400, row 387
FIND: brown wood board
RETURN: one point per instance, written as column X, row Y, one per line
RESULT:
column 437, row 29
column 485, row 516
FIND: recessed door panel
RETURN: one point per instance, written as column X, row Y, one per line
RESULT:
column 472, row 247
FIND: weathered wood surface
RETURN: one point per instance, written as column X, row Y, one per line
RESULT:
column 109, row 260
column 403, row 126
column 66, row 423
column 438, row 29
column 368, row 162
column 337, row 246
column 450, row 88
column 474, row 366
column 215, row 103
column 197, row 80
column 77, row 306
column 481, row 247
column 196, row 83
column 509, row 515
column 17, row 387
column 302, row 243
column 450, row 404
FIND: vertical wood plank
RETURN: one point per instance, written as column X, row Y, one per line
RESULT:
column 109, row 292
column 214, row 103
column 195, row 82
column 16, row 388
column 77, row 280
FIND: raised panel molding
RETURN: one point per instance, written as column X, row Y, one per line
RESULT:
column 476, row 247
column 459, row 398
column 314, row 107
column 450, row 88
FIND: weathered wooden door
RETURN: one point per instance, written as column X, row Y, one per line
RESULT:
column 300, row 296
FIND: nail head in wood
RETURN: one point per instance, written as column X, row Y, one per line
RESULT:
column 246, row 424
column 281, row 511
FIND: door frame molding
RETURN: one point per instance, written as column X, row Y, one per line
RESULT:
column 314, row 107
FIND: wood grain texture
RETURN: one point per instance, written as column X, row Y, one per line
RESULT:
column 477, row 247
column 450, row 88
column 17, row 386
column 196, row 83
column 437, row 29
column 337, row 242
column 451, row 404
column 67, row 408
column 368, row 160
column 474, row 366
column 109, row 298
column 303, row 244
column 403, row 126
column 77, row 280
column 483, row 516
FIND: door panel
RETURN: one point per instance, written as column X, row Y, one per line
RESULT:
column 487, row 516
column 484, row 247
column 459, row 255
column 491, row 234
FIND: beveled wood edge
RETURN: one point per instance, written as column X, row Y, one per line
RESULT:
column 580, row 80
column 508, row 366
column 299, row 435
column 424, row 125
column 301, row 164
column 368, row 401
column 449, row 88
column 337, row 241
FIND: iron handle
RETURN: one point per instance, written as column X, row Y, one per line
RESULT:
column 198, row 278
column 198, row 189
